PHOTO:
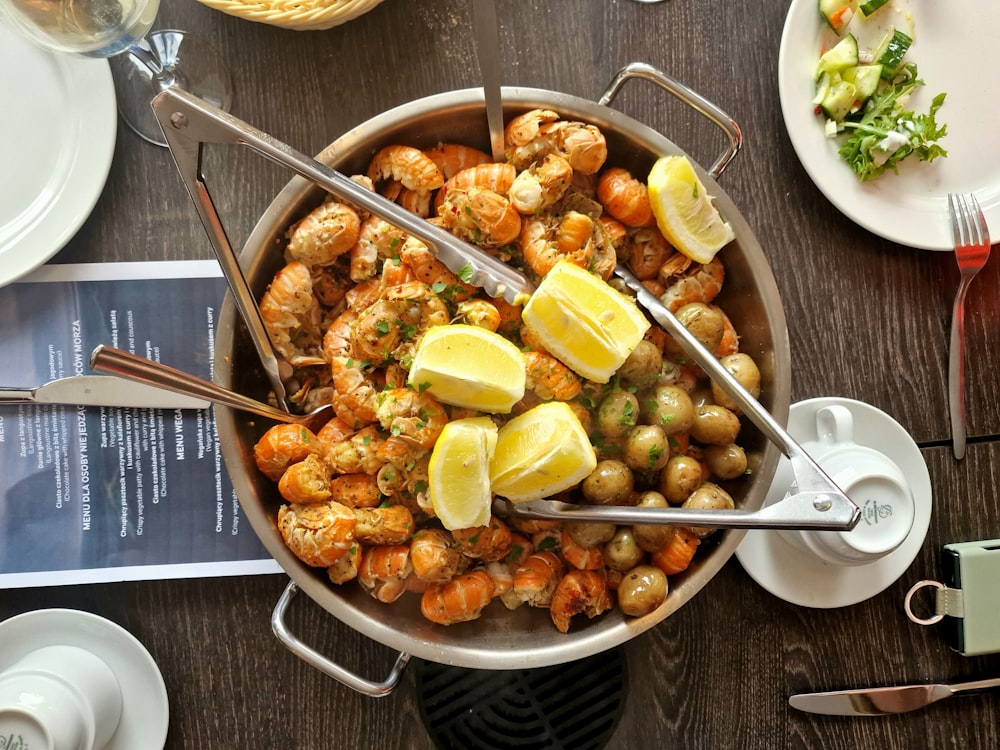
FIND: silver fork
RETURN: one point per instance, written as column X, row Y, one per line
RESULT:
column 972, row 250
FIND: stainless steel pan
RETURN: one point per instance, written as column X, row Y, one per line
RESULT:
column 500, row 639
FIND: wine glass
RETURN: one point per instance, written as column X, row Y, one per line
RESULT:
column 143, row 63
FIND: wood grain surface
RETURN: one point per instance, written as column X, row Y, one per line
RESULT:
column 868, row 320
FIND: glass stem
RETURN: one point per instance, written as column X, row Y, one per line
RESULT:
column 162, row 78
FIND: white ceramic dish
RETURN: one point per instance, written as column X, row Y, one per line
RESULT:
column 802, row 578
column 955, row 51
column 145, row 711
column 57, row 139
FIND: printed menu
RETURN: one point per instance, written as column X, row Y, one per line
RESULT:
column 93, row 493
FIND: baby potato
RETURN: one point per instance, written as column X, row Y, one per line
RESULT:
column 591, row 533
column 709, row 496
column 622, row 552
column 610, row 483
column 725, row 461
column 715, row 425
column 744, row 369
column 642, row 366
column 680, row 477
column 651, row 537
column 617, row 414
column 642, row 589
column 704, row 322
column 670, row 408
column 646, row 448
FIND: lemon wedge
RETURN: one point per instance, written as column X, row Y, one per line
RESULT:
column 458, row 475
column 469, row 366
column 684, row 210
column 583, row 322
column 541, row 452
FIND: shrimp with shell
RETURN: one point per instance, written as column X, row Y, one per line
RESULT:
column 292, row 317
column 324, row 234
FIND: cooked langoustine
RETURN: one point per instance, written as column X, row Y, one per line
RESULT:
column 541, row 185
column 318, row 533
column 425, row 267
column 406, row 167
column 696, row 283
column 458, row 599
column 291, row 315
column 324, row 234
column 480, row 215
column 478, row 312
column 625, row 197
column 580, row 557
column 496, row 176
column 413, row 421
column 434, row 555
column 452, row 158
column 579, row 592
column 389, row 327
column 283, row 445
column 549, row 378
column 386, row 524
column 383, row 571
column 357, row 490
column 377, row 241
column 535, row 579
column 488, row 543
column 307, row 481
column 645, row 253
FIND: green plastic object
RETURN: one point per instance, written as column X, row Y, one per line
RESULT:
column 973, row 569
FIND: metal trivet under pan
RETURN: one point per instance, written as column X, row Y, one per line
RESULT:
column 572, row 706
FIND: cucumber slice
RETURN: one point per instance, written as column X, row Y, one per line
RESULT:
column 841, row 100
column 822, row 87
column 842, row 55
column 837, row 13
column 889, row 54
column 869, row 7
column 865, row 79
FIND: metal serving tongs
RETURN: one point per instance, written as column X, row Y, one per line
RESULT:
column 189, row 122
column 814, row 503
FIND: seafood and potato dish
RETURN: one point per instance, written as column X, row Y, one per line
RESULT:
column 348, row 313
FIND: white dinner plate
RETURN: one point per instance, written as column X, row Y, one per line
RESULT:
column 57, row 138
column 956, row 52
column 800, row 577
column 145, row 711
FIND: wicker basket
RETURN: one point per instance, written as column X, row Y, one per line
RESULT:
column 301, row 15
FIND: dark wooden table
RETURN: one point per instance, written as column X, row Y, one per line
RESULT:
column 867, row 320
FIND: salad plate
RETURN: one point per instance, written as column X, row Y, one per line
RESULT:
column 145, row 715
column 57, row 139
column 802, row 578
column 954, row 48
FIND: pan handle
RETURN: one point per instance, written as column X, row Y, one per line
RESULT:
column 696, row 101
column 324, row 664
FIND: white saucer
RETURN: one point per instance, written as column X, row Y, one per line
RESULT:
column 801, row 578
column 145, row 711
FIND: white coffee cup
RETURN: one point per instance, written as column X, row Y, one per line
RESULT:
column 59, row 698
column 872, row 480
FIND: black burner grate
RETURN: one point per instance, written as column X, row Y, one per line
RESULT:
column 573, row 706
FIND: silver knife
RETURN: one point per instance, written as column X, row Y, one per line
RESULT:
column 885, row 700
column 100, row 390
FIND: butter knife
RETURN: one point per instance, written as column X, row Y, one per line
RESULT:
column 100, row 390
column 885, row 700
